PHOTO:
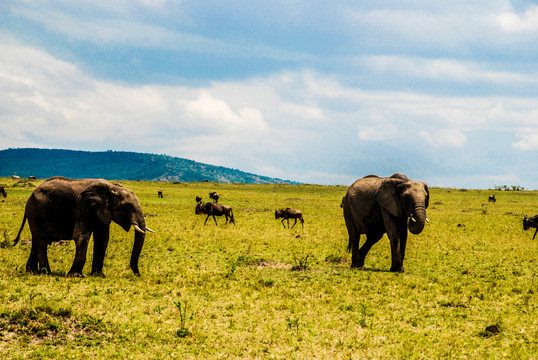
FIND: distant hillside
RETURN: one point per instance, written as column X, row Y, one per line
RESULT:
column 44, row 163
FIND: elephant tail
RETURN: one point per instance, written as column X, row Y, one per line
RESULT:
column 20, row 231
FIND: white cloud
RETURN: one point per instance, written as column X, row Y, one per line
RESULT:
column 445, row 70
column 529, row 139
column 282, row 122
column 215, row 115
column 513, row 22
column 377, row 132
column 444, row 137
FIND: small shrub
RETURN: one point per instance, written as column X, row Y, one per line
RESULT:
column 266, row 283
column 300, row 264
column 335, row 259
column 182, row 331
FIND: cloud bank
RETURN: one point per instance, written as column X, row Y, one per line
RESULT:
column 311, row 92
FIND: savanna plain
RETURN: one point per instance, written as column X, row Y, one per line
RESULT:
column 258, row 291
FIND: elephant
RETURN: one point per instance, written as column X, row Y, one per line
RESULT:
column 374, row 206
column 65, row 209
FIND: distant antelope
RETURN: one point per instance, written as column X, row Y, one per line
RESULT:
column 214, row 209
column 160, row 194
column 531, row 222
column 491, row 198
column 286, row 214
column 214, row 196
column 3, row 191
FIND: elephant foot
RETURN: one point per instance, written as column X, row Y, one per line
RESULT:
column 32, row 270
column 397, row 269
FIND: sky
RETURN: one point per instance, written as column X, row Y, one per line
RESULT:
column 313, row 91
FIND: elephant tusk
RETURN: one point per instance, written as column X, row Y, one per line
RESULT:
column 138, row 229
column 412, row 219
column 427, row 220
column 148, row 229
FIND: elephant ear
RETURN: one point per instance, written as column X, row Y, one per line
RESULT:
column 95, row 200
column 388, row 196
column 427, row 202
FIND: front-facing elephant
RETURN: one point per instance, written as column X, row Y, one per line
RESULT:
column 374, row 206
column 64, row 209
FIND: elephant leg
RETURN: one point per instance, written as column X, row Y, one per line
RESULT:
column 81, row 244
column 354, row 240
column 38, row 261
column 100, row 243
column 403, row 244
column 356, row 261
column 396, row 251
column 32, row 263
column 43, row 259
column 396, row 227
column 371, row 240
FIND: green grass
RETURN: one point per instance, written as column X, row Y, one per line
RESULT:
column 256, row 290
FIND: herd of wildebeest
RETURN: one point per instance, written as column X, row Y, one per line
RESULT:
column 64, row 209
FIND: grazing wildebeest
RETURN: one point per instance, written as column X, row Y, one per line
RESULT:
column 531, row 222
column 198, row 199
column 160, row 194
column 491, row 198
column 3, row 191
column 214, row 196
column 286, row 214
column 214, row 209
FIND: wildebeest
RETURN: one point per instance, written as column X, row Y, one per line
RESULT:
column 3, row 191
column 286, row 214
column 214, row 196
column 198, row 199
column 531, row 222
column 160, row 194
column 214, row 209
column 491, row 198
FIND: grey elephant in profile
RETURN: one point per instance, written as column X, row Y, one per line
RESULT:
column 64, row 209
column 374, row 206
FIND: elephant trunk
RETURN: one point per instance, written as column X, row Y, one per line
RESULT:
column 417, row 219
column 137, row 248
column 140, row 236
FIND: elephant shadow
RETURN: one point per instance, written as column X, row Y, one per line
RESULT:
column 374, row 270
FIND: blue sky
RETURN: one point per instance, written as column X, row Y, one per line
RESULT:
column 311, row 91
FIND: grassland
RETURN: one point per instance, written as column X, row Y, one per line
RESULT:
column 257, row 291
